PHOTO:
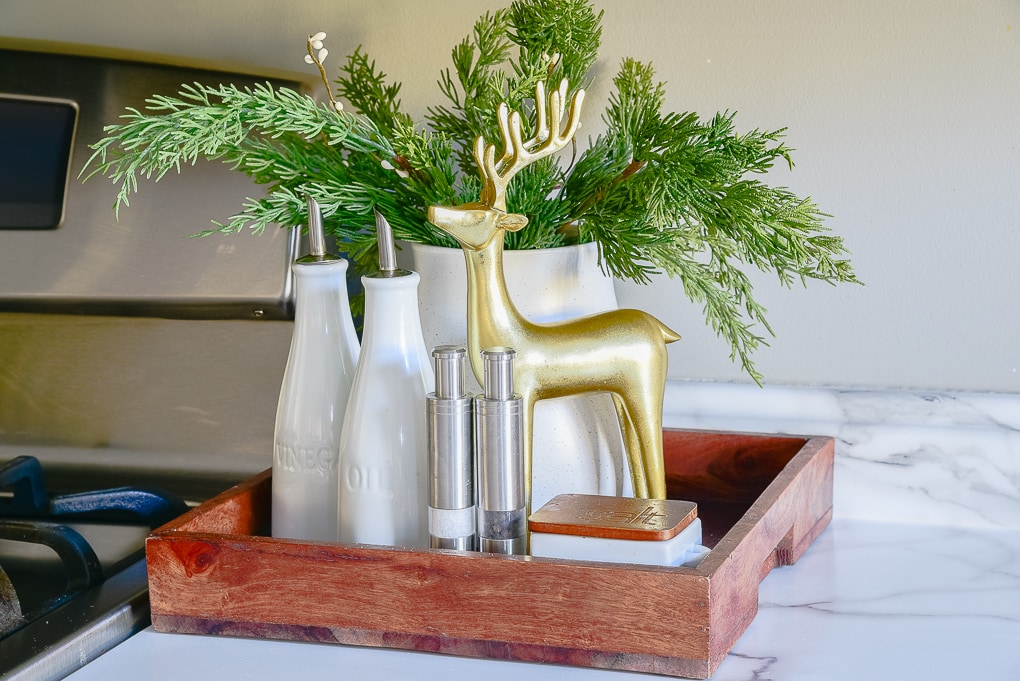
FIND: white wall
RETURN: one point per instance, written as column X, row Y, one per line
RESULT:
column 904, row 115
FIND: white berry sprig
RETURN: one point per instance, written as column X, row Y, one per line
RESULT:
column 316, row 55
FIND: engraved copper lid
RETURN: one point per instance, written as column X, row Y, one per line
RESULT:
column 589, row 515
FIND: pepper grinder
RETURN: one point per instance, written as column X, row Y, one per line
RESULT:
column 383, row 468
column 313, row 397
column 499, row 454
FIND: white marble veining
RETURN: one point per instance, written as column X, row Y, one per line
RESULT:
column 888, row 601
column 930, row 458
column 917, row 577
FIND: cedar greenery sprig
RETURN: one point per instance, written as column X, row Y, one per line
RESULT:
column 257, row 130
column 659, row 192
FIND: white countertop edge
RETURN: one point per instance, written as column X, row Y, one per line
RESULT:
column 877, row 601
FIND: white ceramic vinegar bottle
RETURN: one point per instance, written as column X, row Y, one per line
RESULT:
column 313, row 399
column 383, row 464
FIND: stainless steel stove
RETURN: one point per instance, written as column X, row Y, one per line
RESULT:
column 71, row 568
column 130, row 355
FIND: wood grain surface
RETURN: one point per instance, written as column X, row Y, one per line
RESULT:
column 213, row 571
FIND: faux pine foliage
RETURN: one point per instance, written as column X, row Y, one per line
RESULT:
column 658, row 191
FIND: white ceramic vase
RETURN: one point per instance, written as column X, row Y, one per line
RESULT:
column 577, row 443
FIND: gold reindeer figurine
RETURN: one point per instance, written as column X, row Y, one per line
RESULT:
column 622, row 352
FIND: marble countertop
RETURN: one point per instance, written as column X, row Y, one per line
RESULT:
column 869, row 600
column 917, row 577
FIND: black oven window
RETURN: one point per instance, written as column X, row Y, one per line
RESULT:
column 35, row 151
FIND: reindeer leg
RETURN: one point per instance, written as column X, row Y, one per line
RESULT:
column 528, row 420
column 647, row 421
column 649, row 429
column 632, row 442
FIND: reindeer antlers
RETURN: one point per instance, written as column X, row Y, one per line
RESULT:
column 517, row 153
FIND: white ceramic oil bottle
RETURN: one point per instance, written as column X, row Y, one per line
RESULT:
column 313, row 399
column 383, row 467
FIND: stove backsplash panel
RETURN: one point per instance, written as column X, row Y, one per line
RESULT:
column 127, row 349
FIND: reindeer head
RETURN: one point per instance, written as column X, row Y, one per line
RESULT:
column 475, row 225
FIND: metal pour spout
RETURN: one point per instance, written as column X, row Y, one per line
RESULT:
column 316, row 236
column 387, row 250
column 384, row 238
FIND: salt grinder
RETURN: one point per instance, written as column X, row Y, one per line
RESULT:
column 499, row 455
column 448, row 419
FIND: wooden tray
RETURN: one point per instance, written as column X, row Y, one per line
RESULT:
column 762, row 500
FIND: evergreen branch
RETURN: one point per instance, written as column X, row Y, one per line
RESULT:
column 476, row 86
column 218, row 123
column 569, row 29
column 367, row 91
column 722, row 291
column 659, row 192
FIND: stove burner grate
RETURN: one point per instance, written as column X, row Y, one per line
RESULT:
column 59, row 550
column 28, row 498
